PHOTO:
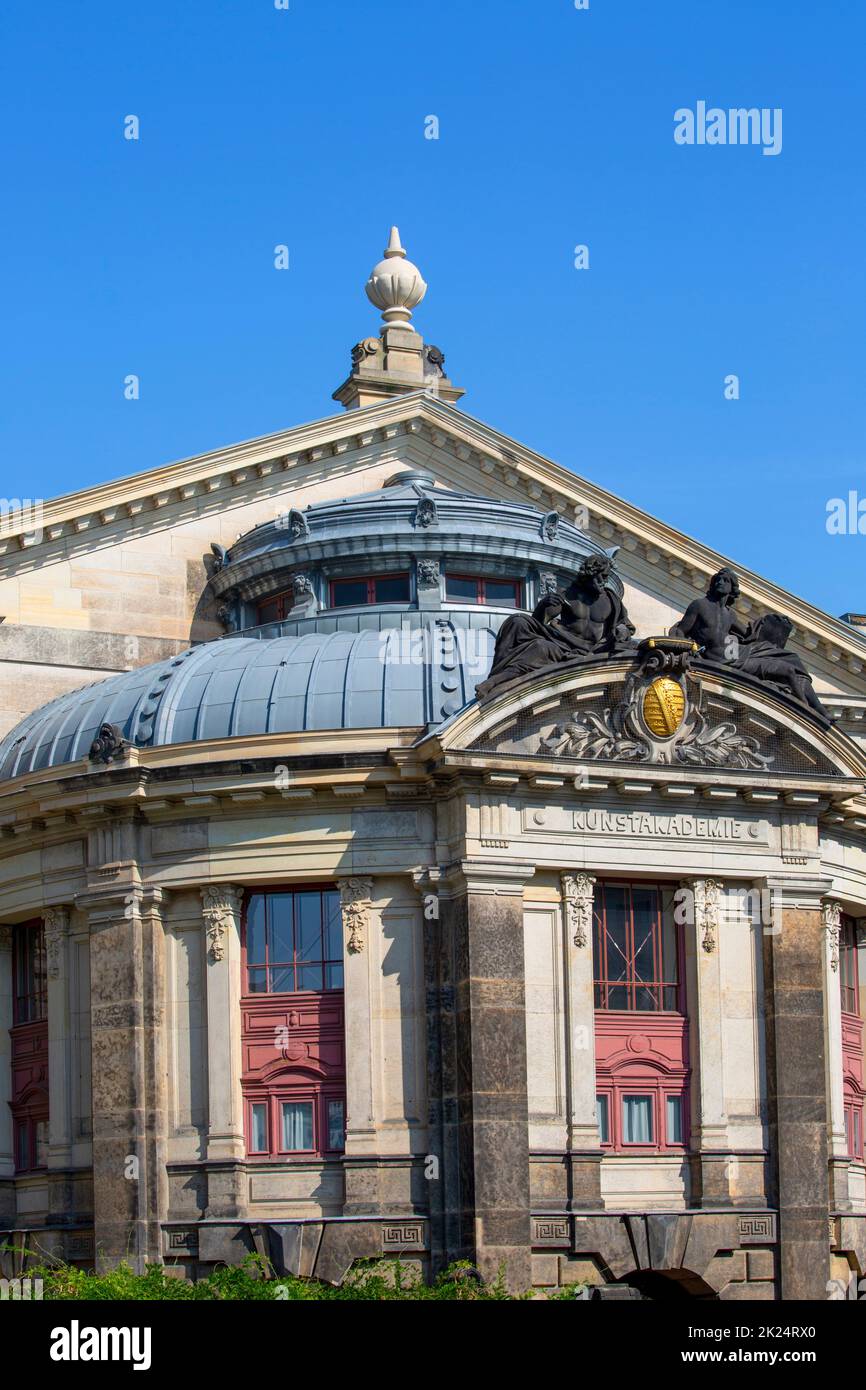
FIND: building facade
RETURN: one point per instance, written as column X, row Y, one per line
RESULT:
column 309, row 947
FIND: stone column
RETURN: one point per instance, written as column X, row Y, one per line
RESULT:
column 60, row 1197
column 485, row 1123
column 128, row 1084
column 794, row 976
column 584, row 1141
column 226, row 1143
column 831, row 916
column 7, row 1157
column 361, row 1176
column 709, row 1121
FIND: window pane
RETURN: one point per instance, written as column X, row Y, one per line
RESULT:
column 259, row 1128
column 646, row 1000
column 280, row 928
column 644, row 920
column 849, row 1135
column 269, row 612
column 333, row 926
column 309, row 925
column 500, row 594
column 297, row 1124
column 256, row 929
column 615, row 924
column 23, row 1145
column 334, row 976
column 257, row 981
column 857, row 1122
column 670, row 967
column 309, row 976
column 348, row 592
column 336, row 1124
column 674, row 1108
column 282, row 980
column 602, row 1115
column 394, row 589
column 637, row 1119
column 460, row 588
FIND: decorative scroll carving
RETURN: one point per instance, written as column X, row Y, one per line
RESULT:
column 355, row 904
column 577, row 897
column 220, row 908
column 108, row 745
column 298, row 527
column 831, row 916
column 550, row 526
column 707, row 894
column 56, row 920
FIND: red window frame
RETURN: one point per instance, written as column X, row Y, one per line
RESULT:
column 270, row 967
column 285, row 602
column 606, row 958
column 27, row 1117
column 371, row 582
column 304, row 1061
column 852, row 1039
column 660, row 1090
column 481, row 582
column 29, row 973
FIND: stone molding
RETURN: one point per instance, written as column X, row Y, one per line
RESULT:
column 707, row 895
column 221, row 903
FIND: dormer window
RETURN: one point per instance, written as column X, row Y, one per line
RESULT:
column 377, row 588
column 470, row 588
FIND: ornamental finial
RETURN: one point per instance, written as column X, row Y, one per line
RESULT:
column 395, row 285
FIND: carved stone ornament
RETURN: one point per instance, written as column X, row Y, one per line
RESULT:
column 831, row 916
column 5, row 937
column 546, row 583
column 577, row 896
column 550, row 526
column 428, row 574
column 302, row 586
column 221, row 904
column 220, row 555
column 298, row 528
column 56, row 920
column 707, row 893
column 355, row 905
column 425, row 513
column 108, row 745
column 656, row 721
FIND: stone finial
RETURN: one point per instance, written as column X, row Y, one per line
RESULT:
column 395, row 286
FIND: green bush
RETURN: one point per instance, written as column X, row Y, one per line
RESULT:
column 371, row 1280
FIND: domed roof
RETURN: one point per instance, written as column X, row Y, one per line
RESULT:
column 411, row 675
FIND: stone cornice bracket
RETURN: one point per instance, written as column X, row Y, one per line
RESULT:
column 831, row 918
column 5, row 937
column 221, row 905
column 355, row 905
column 708, row 894
column 56, row 921
column 577, row 895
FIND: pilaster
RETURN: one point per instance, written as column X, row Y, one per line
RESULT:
column 584, row 1142
column 226, row 1146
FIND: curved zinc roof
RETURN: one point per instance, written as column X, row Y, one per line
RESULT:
column 408, row 676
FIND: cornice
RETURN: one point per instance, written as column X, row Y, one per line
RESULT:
column 478, row 455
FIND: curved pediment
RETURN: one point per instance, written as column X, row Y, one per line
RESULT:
column 622, row 712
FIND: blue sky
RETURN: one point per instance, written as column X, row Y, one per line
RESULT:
column 306, row 127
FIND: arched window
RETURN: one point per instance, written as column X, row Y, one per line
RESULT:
column 294, row 1074
column 641, row 1028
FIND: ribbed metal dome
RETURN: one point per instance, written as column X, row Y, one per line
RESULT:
column 406, row 675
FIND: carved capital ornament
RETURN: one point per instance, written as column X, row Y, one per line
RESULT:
column 221, row 904
column 577, row 893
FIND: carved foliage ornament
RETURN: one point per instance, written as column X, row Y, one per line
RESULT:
column 56, row 920
column 220, row 910
column 708, row 892
column 577, row 897
column 355, row 905
column 831, row 915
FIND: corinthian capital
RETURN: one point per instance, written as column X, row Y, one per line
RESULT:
column 221, row 905
column 56, row 921
column 708, row 902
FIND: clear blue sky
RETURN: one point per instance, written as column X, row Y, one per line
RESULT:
column 306, row 127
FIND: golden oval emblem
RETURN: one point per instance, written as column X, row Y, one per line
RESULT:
column 664, row 705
